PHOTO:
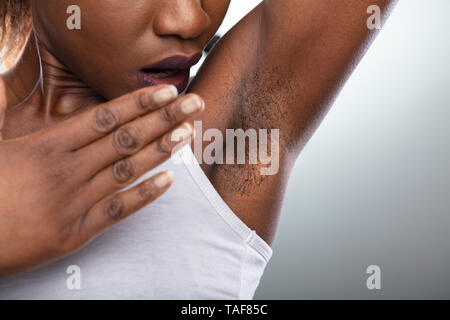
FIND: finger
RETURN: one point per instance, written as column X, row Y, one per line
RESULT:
column 105, row 118
column 117, row 207
column 135, row 135
column 128, row 170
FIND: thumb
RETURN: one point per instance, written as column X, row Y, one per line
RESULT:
column 2, row 105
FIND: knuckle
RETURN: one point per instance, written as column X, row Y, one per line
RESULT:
column 164, row 146
column 114, row 208
column 105, row 120
column 122, row 171
column 148, row 190
column 124, row 141
column 142, row 100
column 170, row 115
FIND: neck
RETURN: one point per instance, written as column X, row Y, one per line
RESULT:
column 60, row 91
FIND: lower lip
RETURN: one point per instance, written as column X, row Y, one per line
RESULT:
column 179, row 80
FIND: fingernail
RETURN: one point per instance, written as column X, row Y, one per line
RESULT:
column 165, row 95
column 182, row 133
column 164, row 179
column 191, row 105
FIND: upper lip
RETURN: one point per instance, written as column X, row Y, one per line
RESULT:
column 176, row 62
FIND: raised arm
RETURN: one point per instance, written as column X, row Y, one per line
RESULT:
column 288, row 59
column 281, row 68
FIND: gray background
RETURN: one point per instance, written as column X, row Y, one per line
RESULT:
column 373, row 185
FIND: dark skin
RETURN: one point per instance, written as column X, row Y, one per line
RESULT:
column 279, row 68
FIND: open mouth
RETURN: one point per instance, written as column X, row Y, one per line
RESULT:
column 177, row 77
column 161, row 74
column 174, row 70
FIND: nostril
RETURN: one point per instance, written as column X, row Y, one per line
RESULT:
column 185, row 19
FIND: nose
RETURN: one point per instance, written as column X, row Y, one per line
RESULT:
column 182, row 18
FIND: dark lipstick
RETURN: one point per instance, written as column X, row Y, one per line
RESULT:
column 174, row 70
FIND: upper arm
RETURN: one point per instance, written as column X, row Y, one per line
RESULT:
column 284, row 63
column 279, row 68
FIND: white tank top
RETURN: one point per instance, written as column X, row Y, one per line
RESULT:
column 188, row 244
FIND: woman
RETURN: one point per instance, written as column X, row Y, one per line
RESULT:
column 91, row 110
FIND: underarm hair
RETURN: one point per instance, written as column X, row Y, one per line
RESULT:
column 261, row 100
column 264, row 99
